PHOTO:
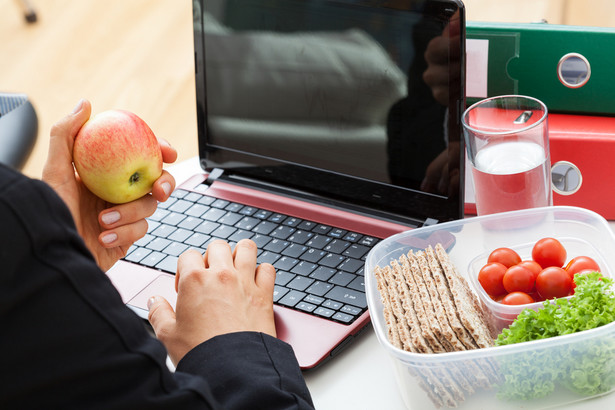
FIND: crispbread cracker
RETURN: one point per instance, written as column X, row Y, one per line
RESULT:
column 468, row 306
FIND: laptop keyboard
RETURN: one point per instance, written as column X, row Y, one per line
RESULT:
column 319, row 268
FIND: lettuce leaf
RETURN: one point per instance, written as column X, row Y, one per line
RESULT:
column 585, row 368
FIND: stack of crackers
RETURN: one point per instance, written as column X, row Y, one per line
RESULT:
column 430, row 308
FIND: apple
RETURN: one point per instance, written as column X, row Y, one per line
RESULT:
column 117, row 156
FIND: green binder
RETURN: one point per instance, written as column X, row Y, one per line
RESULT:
column 528, row 59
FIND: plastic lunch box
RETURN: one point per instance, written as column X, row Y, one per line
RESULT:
column 532, row 375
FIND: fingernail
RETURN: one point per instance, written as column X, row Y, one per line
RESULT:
column 150, row 302
column 166, row 187
column 110, row 217
column 78, row 107
column 109, row 238
column 164, row 142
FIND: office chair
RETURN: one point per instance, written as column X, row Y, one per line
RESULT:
column 18, row 129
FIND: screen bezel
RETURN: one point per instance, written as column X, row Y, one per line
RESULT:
column 395, row 202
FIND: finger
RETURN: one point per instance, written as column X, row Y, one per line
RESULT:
column 169, row 154
column 161, row 315
column 163, row 186
column 189, row 261
column 218, row 255
column 265, row 278
column 124, row 235
column 62, row 136
column 244, row 256
column 127, row 213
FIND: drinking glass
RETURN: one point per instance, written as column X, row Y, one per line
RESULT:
column 508, row 150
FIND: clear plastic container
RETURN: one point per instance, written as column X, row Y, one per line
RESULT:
column 532, row 375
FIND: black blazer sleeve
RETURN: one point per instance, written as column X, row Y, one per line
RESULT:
column 68, row 341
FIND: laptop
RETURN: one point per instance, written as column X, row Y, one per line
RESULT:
column 318, row 137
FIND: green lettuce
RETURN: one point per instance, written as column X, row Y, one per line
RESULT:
column 586, row 368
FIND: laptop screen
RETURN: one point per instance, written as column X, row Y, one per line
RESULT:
column 345, row 100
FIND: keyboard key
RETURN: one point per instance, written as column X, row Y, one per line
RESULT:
column 337, row 233
column 342, row 278
column 197, row 210
column 229, row 218
column 351, row 265
column 159, row 214
column 294, row 250
column 206, row 200
column 264, row 227
column 315, row 300
column 319, row 241
column 262, row 214
column 268, row 257
column 324, row 312
column 223, row 232
column 213, row 214
column 321, row 229
column 240, row 234
column 283, row 277
column 356, row 251
column 306, row 307
column 173, row 218
column 197, row 239
column 248, row 210
column 152, row 259
column 323, row 273
column 277, row 218
column 313, row 255
column 349, row 296
column 179, row 193
column 351, row 310
column 307, row 225
column 151, row 225
column 286, row 263
column 144, row 240
column 291, row 298
column 180, row 206
column 175, row 248
column 300, row 283
column 276, row 245
column 233, row 207
column 192, row 196
column 137, row 255
column 352, row 237
column 168, row 264
column 319, row 288
column 220, row 203
column 343, row 317
column 331, row 260
column 304, row 268
column 207, row 227
column 292, row 222
column 300, row 237
column 163, row 230
column 180, row 235
column 337, row 246
column 260, row 240
column 282, row 232
column 357, row 283
column 247, row 223
column 190, row 223
column 167, row 203
column 368, row 241
column 332, row 304
column 158, row 244
column 279, row 292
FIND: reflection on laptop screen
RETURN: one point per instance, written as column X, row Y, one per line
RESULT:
column 356, row 101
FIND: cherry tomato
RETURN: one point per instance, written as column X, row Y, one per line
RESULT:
column 549, row 252
column 518, row 279
column 579, row 263
column 490, row 277
column 553, row 282
column 505, row 256
column 533, row 266
column 517, row 298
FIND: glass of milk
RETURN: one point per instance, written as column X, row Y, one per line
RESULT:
column 507, row 144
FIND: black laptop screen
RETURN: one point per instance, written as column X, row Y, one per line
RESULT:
column 348, row 100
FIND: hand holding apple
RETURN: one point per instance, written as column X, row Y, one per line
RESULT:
column 117, row 156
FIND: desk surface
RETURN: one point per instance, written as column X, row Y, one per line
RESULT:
column 361, row 377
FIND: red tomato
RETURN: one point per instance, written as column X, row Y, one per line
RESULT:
column 505, row 256
column 533, row 266
column 517, row 298
column 553, row 282
column 490, row 277
column 518, row 279
column 579, row 263
column 549, row 252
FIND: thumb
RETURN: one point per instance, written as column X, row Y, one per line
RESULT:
column 59, row 163
column 161, row 315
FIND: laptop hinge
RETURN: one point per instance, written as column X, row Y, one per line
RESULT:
column 213, row 175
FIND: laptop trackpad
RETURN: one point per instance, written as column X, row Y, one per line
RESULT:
column 163, row 285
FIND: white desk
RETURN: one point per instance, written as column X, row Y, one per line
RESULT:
column 361, row 377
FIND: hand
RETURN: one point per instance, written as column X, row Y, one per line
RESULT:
column 219, row 293
column 107, row 229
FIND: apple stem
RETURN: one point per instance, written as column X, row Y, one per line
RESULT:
column 134, row 178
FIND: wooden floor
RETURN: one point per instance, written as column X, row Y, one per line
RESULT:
column 138, row 55
column 131, row 54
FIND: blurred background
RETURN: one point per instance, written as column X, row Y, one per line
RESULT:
column 138, row 55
